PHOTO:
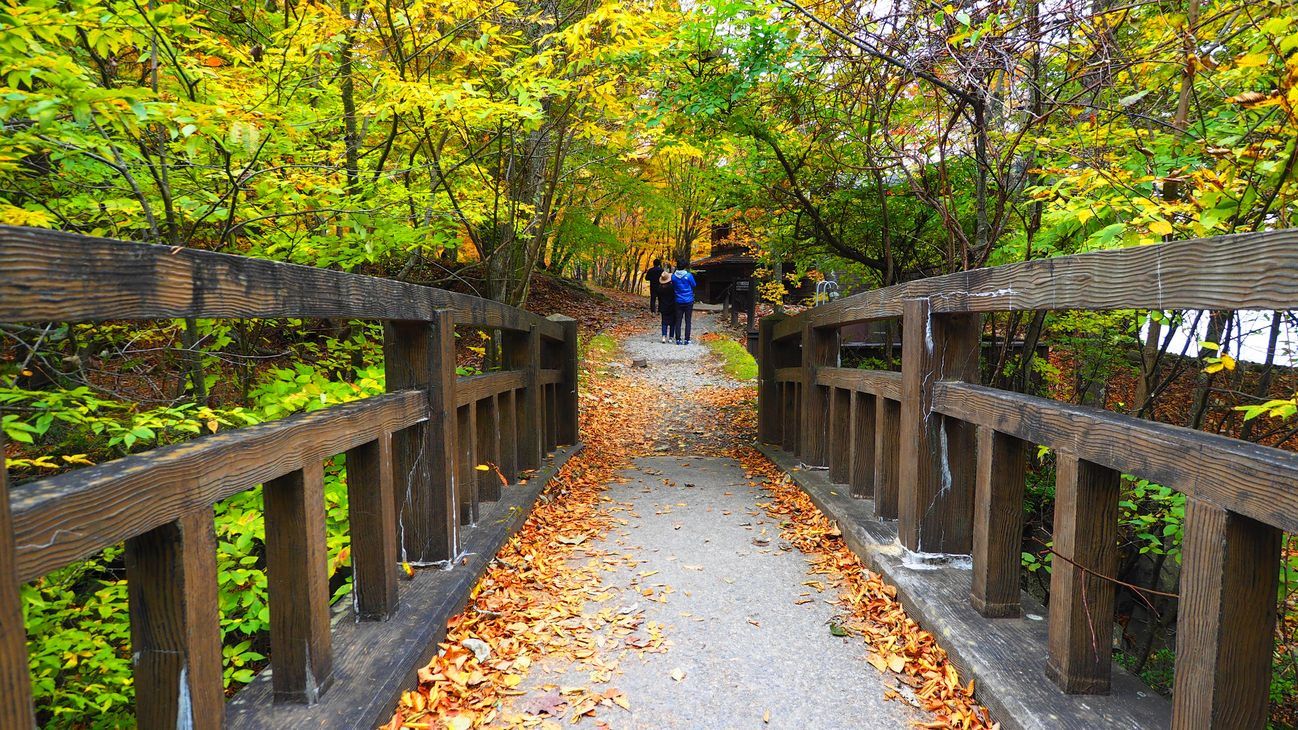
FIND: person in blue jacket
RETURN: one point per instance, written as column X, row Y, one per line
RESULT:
column 683, row 282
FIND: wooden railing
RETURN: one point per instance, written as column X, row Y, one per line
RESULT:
column 410, row 455
column 946, row 457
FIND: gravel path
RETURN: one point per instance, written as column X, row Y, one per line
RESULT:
column 746, row 627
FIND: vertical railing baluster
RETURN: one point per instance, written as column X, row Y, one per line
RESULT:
column 421, row 355
column 508, row 409
column 935, row 505
column 1225, row 621
column 567, row 408
column 551, row 417
column 840, row 428
column 789, row 424
column 522, row 351
column 819, row 349
column 297, row 578
column 372, row 523
column 861, row 435
column 998, row 524
column 1083, row 567
column 770, row 393
column 465, row 461
column 887, row 457
column 488, row 441
column 176, row 624
column 16, row 709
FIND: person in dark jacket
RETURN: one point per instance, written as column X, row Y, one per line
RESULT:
column 683, row 282
column 652, row 276
column 666, row 292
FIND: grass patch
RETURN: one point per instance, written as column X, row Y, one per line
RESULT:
column 599, row 348
column 736, row 361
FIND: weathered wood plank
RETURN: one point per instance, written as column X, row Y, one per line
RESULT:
column 466, row 458
column 508, row 410
column 1081, row 588
column 64, row 518
column 50, row 275
column 1225, row 619
column 297, row 583
column 1242, row 271
column 861, row 440
column 998, row 524
column 769, row 397
column 840, row 435
column 372, row 522
column 176, row 624
column 788, row 374
column 567, row 410
column 551, row 401
column 887, row 457
column 875, row 382
column 1252, row 480
column 819, row 349
column 473, row 388
column 16, row 708
column 789, row 417
column 488, row 444
column 422, row 355
column 522, row 351
column 935, row 504
column 549, row 376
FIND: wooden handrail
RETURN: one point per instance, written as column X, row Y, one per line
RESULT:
column 946, row 456
column 412, row 456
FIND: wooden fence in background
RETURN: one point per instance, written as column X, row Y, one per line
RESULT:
column 946, row 457
column 410, row 456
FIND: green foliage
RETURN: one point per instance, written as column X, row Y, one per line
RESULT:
column 735, row 359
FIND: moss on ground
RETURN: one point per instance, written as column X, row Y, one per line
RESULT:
column 736, row 361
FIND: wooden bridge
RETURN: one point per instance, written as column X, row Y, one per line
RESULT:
column 929, row 458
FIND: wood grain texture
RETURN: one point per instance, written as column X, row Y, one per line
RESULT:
column 488, row 445
column 508, row 411
column 551, row 402
column 16, row 709
column 64, row 518
column 789, row 417
column 372, row 524
column 935, row 503
column 1081, row 592
column 1241, row 271
column 567, row 410
column 887, row 457
column 998, row 524
column 522, row 351
column 297, row 583
column 840, row 433
column 792, row 374
column 473, row 388
column 769, row 402
column 861, row 440
column 422, row 355
column 819, row 349
column 55, row 276
column 1256, row 481
column 176, row 625
column 875, row 382
column 466, row 458
column 1225, row 620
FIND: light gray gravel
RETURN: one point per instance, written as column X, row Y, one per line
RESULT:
column 677, row 369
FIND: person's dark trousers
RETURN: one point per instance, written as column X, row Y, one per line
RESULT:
column 655, row 301
column 684, row 315
column 668, row 310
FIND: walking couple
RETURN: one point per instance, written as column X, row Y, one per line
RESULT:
column 673, row 290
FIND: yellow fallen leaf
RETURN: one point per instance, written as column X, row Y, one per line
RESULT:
column 878, row 662
column 896, row 663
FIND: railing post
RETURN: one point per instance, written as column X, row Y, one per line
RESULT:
column 935, row 506
column 176, row 624
column 422, row 355
column 1084, row 564
column 372, row 521
column 819, row 349
column 297, row 581
column 998, row 524
column 567, row 415
column 522, row 351
column 861, row 443
column 16, row 708
column 1226, row 619
column 769, row 398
